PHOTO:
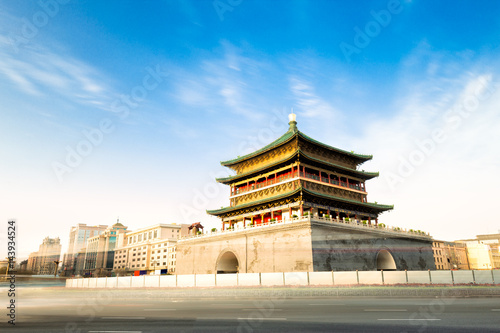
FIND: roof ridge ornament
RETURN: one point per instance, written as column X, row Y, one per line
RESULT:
column 292, row 118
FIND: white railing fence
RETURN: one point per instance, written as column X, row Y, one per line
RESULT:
column 350, row 222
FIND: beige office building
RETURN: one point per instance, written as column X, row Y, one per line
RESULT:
column 149, row 249
column 484, row 251
column 42, row 262
column 440, row 255
column 99, row 254
column 78, row 237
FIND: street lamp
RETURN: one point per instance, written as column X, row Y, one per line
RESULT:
column 154, row 265
column 57, row 264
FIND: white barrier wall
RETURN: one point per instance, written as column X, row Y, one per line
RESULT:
column 394, row 277
column 205, row 280
column 345, row 278
column 249, row 279
column 168, row 281
column 370, row 277
column 138, row 281
column 152, row 281
column 124, row 281
column 496, row 276
column 111, row 282
column 441, row 277
column 462, row 277
column 418, row 277
column 291, row 279
column 296, row 279
column 186, row 280
column 272, row 279
column 320, row 278
column 227, row 280
column 483, row 277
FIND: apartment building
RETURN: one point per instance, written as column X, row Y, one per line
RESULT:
column 440, row 255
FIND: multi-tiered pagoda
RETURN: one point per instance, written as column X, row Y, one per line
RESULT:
column 300, row 205
column 297, row 175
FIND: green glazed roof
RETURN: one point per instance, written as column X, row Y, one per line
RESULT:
column 363, row 174
column 282, row 139
column 289, row 193
column 253, row 203
column 364, row 204
column 290, row 134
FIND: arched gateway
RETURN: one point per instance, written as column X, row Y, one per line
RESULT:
column 227, row 263
column 385, row 261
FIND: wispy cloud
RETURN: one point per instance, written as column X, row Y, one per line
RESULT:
column 310, row 104
column 37, row 70
column 226, row 81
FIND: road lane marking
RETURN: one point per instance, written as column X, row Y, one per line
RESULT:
column 253, row 309
column 114, row 331
column 160, row 309
column 129, row 318
column 327, row 304
column 410, row 319
column 262, row 318
column 385, row 310
column 495, row 309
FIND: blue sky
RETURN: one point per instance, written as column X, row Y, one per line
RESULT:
column 153, row 94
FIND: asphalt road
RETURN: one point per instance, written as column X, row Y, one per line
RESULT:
column 123, row 311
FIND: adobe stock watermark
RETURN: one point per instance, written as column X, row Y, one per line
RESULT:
column 31, row 27
column 428, row 313
column 94, row 137
column 201, row 197
column 372, row 29
column 452, row 118
column 89, row 309
column 263, row 311
column 223, row 6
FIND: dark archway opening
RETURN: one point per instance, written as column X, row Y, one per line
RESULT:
column 385, row 261
column 228, row 263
